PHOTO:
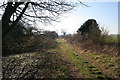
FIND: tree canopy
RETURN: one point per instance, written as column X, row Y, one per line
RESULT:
column 90, row 29
column 87, row 26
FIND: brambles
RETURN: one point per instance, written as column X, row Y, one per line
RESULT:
column 89, row 36
column 19, row 41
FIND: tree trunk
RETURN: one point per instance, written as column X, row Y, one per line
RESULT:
column 9, row 10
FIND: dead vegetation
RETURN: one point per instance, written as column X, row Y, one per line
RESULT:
column 95, row 39
column 35, row 65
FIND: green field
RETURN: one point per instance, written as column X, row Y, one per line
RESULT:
column 112, row 39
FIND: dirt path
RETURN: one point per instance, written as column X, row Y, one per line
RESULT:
column 106, row 71
column 99, row 66
column 80, row 65
column 74, row 71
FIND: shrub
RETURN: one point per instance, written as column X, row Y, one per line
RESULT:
column 17, row 41
column 39, row 43
column 89, row 36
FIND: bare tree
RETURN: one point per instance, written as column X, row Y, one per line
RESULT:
column 63, row 31
column 43, row 11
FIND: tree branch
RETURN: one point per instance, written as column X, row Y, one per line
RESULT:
column 3, row 5
column 15, row 22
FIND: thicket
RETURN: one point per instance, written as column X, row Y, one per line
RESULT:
column 21, row 41
column 91, row 37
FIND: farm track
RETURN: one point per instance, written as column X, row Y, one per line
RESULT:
column 97, row 65
column 65, row 49
column 112, row 62
column 74, row 72
column 65, row 61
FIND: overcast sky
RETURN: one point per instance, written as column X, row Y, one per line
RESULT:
column 105, row 13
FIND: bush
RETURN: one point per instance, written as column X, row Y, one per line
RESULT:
column 17, row 41
column 90, row 37
column 13, row 40
column 90, row 31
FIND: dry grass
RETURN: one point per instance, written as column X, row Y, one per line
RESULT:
column 109, row 45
